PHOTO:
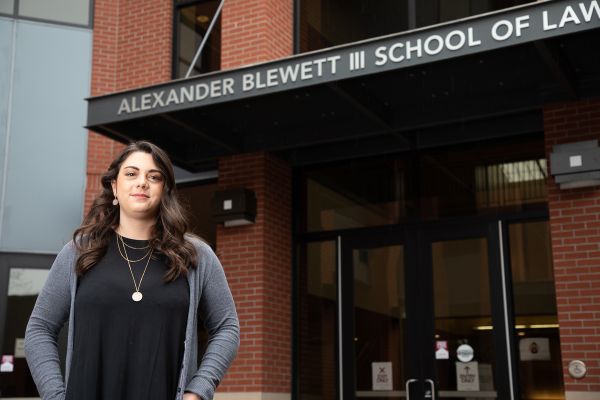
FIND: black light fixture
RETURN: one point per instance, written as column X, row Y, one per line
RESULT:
column 576, row 165
column 234, row 207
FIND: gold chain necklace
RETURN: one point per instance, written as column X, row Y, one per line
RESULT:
column 126, row 257
column 137, row 295
column 137, row 248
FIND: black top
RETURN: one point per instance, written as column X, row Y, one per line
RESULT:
column 122, row 349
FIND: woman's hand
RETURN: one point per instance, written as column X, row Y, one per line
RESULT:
column 191, row 396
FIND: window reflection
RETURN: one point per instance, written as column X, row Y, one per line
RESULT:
column 23, row 287
column 463, row 310
column 507, row 175
column 326, row 23
column 192, row 22
column 536, row 330
column 68, row 11
column 430, row 12
column 7, row 6
column 355, row 195
column 380, row 317
column 317, row 314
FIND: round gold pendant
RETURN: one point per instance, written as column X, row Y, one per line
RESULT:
column 136, row 296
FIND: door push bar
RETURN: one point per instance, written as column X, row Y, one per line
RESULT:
column 429, row 394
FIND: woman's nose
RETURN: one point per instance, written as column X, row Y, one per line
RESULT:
column 142, row 181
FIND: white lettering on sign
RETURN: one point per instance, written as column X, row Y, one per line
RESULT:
column 184, row 94
column 570, row 15
column 504, row 29
column 432, row 45
column 291, row 73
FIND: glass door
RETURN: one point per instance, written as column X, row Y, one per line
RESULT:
column 21, row 279
column 464, row 321
column 375, row 289
column 423, row 314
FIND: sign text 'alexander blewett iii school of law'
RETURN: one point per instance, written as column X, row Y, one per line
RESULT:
column 496, row 30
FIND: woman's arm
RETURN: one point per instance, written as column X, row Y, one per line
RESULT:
column 217, row 309
column 49, row 314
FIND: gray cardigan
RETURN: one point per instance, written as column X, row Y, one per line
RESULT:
column 210, row 299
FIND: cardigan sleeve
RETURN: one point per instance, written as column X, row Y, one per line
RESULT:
column 49, row 314
column 217, row 309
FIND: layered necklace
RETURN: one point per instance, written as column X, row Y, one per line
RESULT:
column 137, row 294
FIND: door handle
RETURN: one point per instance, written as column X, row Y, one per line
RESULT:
column 408, row 382
column 432, row 387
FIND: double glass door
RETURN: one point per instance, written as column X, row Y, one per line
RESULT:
column 424, row 314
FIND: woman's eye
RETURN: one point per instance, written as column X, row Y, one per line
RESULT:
column 155, row 178
column 129, row 174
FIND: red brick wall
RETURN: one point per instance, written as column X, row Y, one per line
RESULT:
column 257, row 259
column 255, row 31
column 575, row 227
column 132, row 48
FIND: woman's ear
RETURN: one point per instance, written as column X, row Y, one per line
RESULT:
column 114, row 187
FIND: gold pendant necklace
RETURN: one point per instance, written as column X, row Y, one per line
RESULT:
column 137, row 295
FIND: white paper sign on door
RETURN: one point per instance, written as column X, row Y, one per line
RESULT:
column 8, row 363
column 467, row 376
column 19, row 348
column 534, row 349
column 441, row 350
column 382, row 375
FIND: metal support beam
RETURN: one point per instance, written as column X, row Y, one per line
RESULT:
column 204, row 39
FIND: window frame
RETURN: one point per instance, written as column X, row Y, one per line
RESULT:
column 15, row 15
column 177, row 5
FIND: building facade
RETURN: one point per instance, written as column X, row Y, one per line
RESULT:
column 414, row 235
column 45, row 70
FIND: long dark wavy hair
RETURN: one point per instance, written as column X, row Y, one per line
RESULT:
column 167, row 238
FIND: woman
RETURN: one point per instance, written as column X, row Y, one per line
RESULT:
column 132, row 285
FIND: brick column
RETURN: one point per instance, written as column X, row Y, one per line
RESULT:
column 132, row 48
column 575, row 230
column 254, row 31
column 257, row 260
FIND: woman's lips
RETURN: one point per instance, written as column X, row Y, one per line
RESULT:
column 141, row 195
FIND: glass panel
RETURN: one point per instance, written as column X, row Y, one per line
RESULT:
column 69, row 11
column 507, row 175
column 197, row 200
column 357, row 194
column 317, row 316
column 540, row 364
column 380, row 321
column 192, row 24
column 7, row 6
column 325, row 23
column 471, row 180
column 430, row 12
column 23, row 288
column 464, row 350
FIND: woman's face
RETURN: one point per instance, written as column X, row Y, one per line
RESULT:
column 139, row 186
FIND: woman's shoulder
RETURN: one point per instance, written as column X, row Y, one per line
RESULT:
column 203, row 249
column 69, row 249
column 198, row 242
